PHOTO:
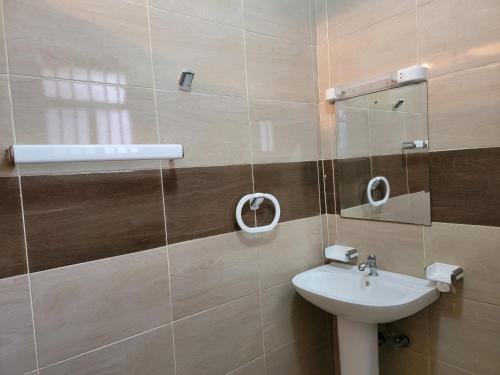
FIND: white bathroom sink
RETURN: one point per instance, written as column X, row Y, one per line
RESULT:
column 345, row 291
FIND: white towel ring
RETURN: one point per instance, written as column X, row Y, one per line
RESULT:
column 264, row 228
column 372, row 185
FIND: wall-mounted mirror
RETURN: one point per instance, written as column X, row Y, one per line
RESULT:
column 382, row 164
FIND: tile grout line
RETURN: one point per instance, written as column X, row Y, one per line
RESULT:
column 13, row 128
column 158, row 134
column 330, row 83
column 253, row 182
column 106, row 346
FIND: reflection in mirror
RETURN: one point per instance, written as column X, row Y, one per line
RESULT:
column 382, row 163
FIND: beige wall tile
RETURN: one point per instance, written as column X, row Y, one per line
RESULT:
column 328, row 149
column 6, row 131
column 465, row 334
column 213, row 129
column 87, row 40
column 256, row 367
column 403, row 361
column 3, row 58
column 332, row 229
column 352, row 132
column 222, row 11
column 292, row 247
column 219, row 340
column 473, row 248
column 278, row 69
column 415, row 327
column 211, row 271
column 321, row 22
column 323, row 71
column 464, row 109
column 48, row 111
column 17, row 343
column 287, row 316
column 440, row 368
column 282, row 131
column 215, row 53
column 458, row 34
column 289, row 19
column 348, row 16
column 99, row 302
column 398, row 247
column 309, row 355
column 387, row 132
column 149, row 353
column 382, row 48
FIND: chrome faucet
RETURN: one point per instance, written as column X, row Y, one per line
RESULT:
column 371, row 263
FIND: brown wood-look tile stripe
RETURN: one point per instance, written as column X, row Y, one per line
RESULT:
column 393, row 167
column 13, row 254
column 295, row 185
column 352, row 176
column 201, row 202
column 322, row 181
column 328, row 183
column 465, row 186
column 418, row 172
column 77, row 218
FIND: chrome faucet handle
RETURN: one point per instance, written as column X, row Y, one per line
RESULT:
column 371, row 263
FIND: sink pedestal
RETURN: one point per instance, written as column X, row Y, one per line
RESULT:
column 358, row 347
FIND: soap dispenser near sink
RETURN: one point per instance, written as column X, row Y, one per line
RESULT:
column 362, row 297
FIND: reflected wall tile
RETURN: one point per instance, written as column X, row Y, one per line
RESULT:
column 17, row 343
column 81, row 217
column 256, row 367
column 278, row 69
column 99, row 302
column 455, row 35
column 387, row 132
column 382, row 48
column 291, row 248
column 289, row 19
column 309, row 355
column 6, row 131
column 48, row 111
column 472, row 247
column 148, row 353
column 398, row 247
column 348, row 16
column 352, row 137
column 208, row 272
column 215, row 53
column 12, row 247
column 55, row 38
column 465, row 334
column 464, row 109
column 219, row 340
column 212, row 129
column 287, row 316
column 282, row 131
column 229, row 12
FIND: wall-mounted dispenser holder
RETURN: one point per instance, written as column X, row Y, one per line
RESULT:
column 186, row 80
column 445, row 275
column 255, row 200
column 340, row 253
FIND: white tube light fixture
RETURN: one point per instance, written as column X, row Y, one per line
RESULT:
column 23, row 154
column 400, row 77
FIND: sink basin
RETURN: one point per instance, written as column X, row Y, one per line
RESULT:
column 346, row 292
column 361, row 302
